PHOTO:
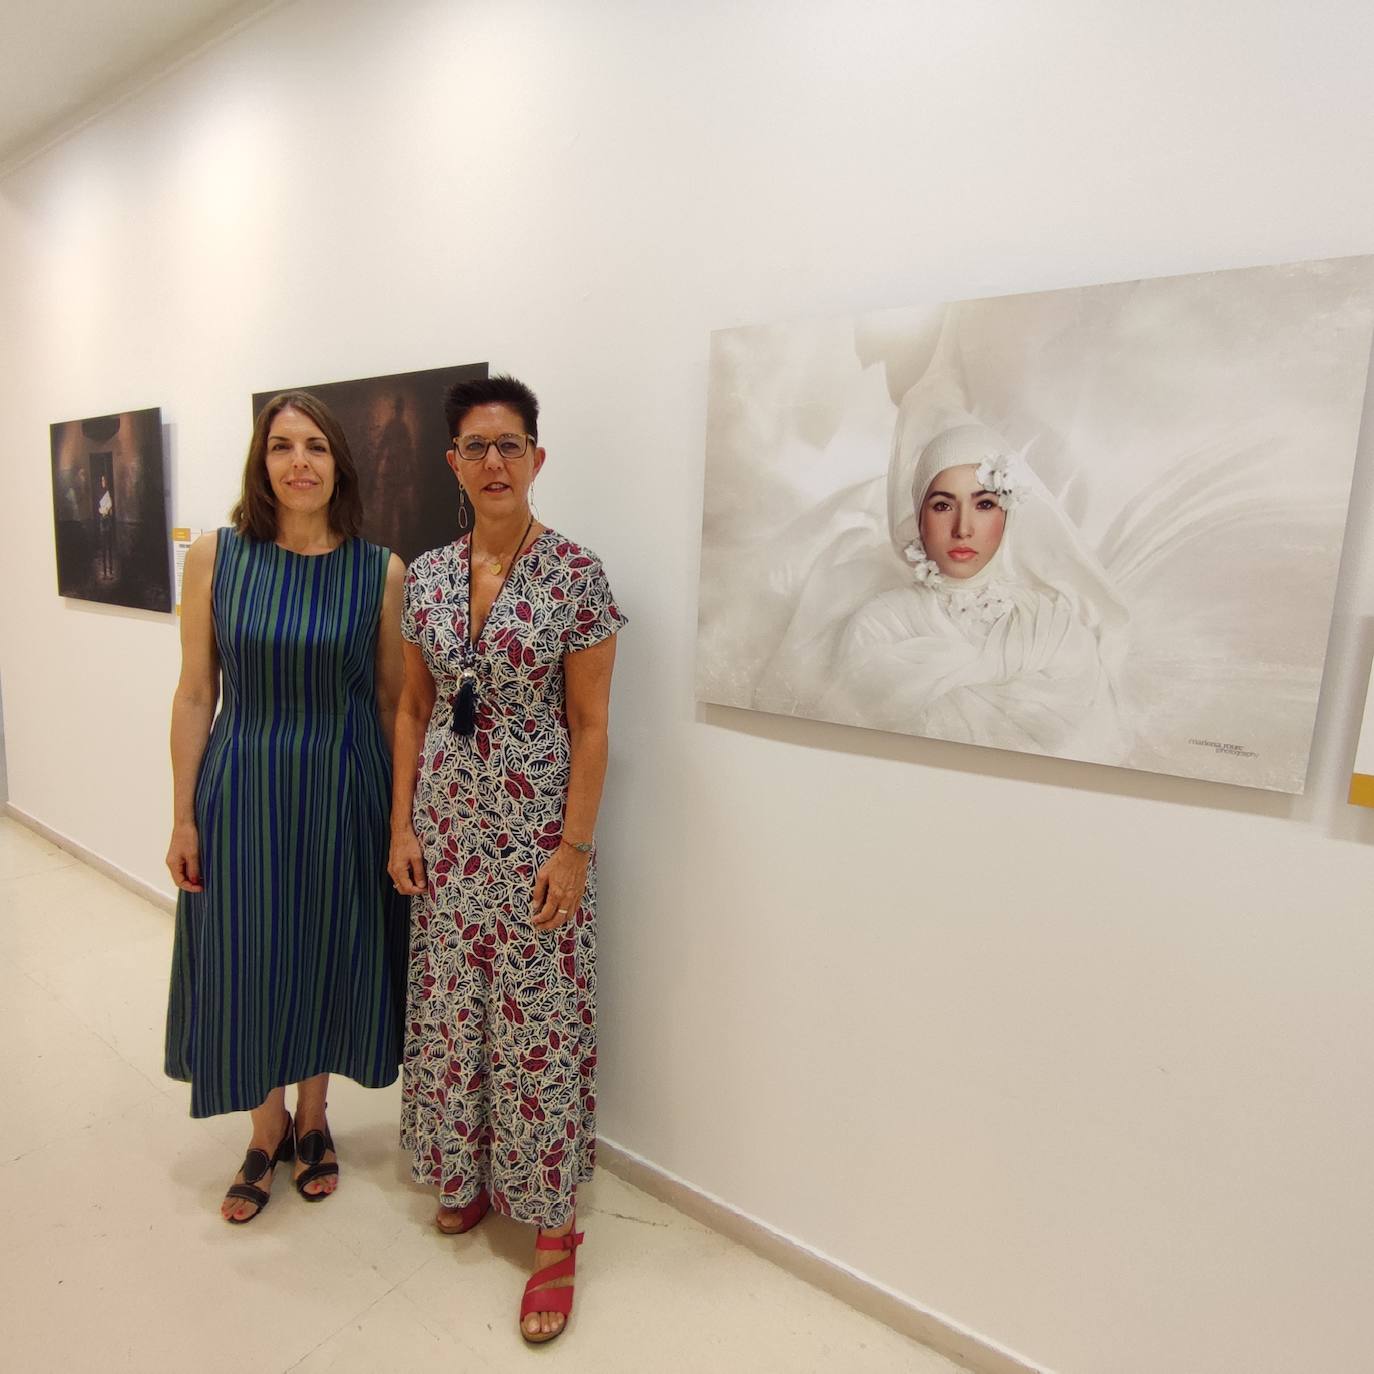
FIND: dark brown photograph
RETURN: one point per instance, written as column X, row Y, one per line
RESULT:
column 110, row 510
column 395, row 427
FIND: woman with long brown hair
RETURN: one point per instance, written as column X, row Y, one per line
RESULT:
column 290, row 944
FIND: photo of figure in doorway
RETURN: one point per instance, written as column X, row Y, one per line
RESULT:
column 110, row 510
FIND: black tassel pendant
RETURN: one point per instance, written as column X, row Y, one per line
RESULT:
column 465, row 707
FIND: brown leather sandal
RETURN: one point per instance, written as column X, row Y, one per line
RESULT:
column 257, row 1165
column 311, row 1147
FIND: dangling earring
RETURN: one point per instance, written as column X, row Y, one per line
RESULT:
column 529, row 501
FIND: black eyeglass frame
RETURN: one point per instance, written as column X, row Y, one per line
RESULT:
column 487, row 447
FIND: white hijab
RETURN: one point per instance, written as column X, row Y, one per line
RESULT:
column 1041, row 548
column 1022, row 654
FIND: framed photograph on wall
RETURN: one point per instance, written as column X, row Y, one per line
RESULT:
column 109, row 498
column 1101, row 523
column 395, row 427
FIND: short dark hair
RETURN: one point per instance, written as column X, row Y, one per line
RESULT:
column 500, row 390
column 256, row 512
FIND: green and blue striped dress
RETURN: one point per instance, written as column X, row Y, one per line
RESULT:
column 291, row 962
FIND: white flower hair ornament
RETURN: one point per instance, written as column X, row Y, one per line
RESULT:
column 923, row 568
column 1007, row 475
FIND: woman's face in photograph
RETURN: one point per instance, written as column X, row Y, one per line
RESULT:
column 495, row 485
column 300, row 463
column 961, row 523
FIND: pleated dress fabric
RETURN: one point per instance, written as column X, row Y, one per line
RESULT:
column 291, row 962
column 499, row 1082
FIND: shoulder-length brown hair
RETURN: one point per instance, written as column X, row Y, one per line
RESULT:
column 255, row 515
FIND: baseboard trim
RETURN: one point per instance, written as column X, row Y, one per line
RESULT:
column 939, row 1333
column 88, row 856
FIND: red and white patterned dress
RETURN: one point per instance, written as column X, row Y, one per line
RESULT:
column 499, row 1075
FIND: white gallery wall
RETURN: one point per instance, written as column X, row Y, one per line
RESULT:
column 1078, row 1058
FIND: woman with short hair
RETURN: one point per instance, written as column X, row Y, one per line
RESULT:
column 509, row 650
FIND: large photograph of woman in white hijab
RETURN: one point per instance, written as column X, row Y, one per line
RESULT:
column 1102, row 523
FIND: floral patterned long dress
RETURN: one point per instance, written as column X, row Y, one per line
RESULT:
column 499, row 1074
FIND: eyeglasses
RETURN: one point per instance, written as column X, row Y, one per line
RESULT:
column 472, row 448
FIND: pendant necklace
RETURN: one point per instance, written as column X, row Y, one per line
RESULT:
column 465, row 703
column 494, row 565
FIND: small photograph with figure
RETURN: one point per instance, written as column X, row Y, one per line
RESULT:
column 110, row 510
column 396, row 430
column 1100, row 523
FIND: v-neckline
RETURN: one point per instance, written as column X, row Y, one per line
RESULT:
column 472, row 643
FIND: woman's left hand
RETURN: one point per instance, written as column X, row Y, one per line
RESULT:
column 558, row 888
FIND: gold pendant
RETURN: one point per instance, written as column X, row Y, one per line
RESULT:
column 494, row 569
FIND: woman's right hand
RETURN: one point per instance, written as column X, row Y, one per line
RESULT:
column 406, row 863
column 183, row 857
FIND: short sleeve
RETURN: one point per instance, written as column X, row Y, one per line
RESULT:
column 597, row 616
column 410, row 622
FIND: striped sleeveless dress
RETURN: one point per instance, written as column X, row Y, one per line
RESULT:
column 291, row 962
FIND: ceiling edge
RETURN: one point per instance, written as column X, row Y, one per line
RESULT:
column 147, row 74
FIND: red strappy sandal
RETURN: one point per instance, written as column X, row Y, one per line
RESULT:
column 538, row 1298
column 464, row 1218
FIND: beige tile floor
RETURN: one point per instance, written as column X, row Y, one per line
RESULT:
column 112, row 1255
